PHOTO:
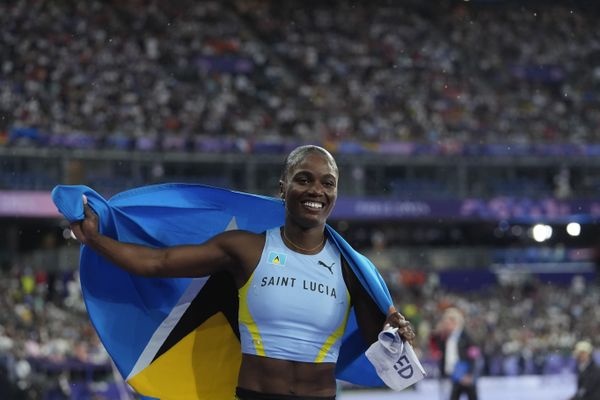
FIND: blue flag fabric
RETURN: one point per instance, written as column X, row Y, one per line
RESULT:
column 135, row 316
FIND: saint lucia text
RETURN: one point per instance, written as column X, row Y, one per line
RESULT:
column 308, row 285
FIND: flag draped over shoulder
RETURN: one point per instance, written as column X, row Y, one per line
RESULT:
column 177, row 338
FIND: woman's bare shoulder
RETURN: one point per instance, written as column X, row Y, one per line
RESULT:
column 240, row 235
column 246, row 248
column 241, row 241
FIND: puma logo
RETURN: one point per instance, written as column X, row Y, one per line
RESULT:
column 329, row 267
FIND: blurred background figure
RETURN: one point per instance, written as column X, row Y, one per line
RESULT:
column 588, row 373
column 458, row 354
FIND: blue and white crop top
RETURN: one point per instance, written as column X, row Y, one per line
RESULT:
column 294, row 306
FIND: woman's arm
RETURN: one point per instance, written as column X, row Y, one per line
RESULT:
column 217, row 254
column 370, row 319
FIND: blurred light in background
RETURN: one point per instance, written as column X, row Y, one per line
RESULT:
column 573, row 229
column 541, row 232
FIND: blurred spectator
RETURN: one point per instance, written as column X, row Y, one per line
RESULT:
column 458, row 354
column 588, row 373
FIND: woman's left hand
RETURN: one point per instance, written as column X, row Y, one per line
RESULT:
column 397, row 320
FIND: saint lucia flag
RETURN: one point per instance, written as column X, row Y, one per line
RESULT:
column 178, row 338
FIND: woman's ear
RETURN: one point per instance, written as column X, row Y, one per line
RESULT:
column 282, row 190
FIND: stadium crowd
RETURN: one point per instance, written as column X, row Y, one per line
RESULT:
column 46, row 339
column 526, row 328
column 225, row 76
column 243, row 75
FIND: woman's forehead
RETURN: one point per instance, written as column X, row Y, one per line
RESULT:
column 314, row 162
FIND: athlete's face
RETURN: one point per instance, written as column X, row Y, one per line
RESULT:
column 310, row 191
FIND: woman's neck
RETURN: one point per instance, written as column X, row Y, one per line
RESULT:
column 303, row 241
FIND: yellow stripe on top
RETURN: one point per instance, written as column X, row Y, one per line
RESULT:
column 246, row 319
column 335, row 335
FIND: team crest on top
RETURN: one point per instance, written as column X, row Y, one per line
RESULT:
column 276, row 258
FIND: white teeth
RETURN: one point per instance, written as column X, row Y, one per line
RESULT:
column 312, row 204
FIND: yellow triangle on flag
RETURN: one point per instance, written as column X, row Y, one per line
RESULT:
column 204, row 365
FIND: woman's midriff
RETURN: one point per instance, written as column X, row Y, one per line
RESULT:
column 270, row 375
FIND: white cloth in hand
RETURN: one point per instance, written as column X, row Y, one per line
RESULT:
column 394, row 360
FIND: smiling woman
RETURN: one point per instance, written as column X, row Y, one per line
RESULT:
column 295, row 288
column 308, row 186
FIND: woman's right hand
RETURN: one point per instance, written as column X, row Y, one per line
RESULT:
column 86, row 230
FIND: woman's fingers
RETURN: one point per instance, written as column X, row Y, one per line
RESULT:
column 76, row 232
column 397, row 320
column 407, row 333
column 87, row 211
column 88, row 225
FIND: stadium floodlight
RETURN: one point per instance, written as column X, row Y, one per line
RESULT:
column 541, row 232
column 573, row 229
